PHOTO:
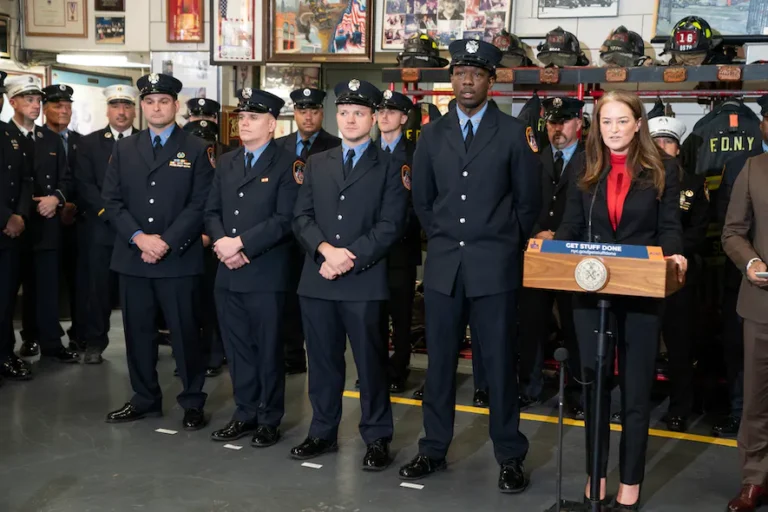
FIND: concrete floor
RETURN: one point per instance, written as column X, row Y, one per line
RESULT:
column 58, row 455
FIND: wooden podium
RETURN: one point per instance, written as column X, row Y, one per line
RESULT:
column 605, row 270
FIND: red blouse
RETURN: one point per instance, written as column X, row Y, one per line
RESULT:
column 619, row 181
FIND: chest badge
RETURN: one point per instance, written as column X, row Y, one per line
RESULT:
column 298, row 171
column 180, row 154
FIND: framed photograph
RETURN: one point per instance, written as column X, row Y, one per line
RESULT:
column 233, row 31
column 743, row 20
column 319, row 31
column 229, row 131
column 577, row 8
column 282, row 79
column 110, row 5
column 185, row 21
column 199, row 78
column 110, row 30
column 444, row 20
column 56, row 18
column 5, row 37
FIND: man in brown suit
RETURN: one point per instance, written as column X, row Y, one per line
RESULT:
column 745, row 241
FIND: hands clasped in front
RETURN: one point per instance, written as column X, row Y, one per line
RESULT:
column 338, row 261
column 230, row 252
column 152, row 247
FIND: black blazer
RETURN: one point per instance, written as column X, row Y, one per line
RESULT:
column 52, row 177
column 645, row 220
column 478, row 208
column 694, row 217
column 323, row 142
column 364, row 213
column 93, row 155
column 553, row 192
column 257, row 206
column 15, row 184
column 164, row 196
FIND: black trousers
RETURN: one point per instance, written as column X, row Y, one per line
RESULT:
column 493, row 318
column 99, row 302
column 327, row 324
column 74, row 271
column 399, row 307
column 293, row 331
column 251, row 333
column 40, row 300
column 210, row 321
column 179, row 300
column 635, row 324
column 9, row 287
column 677, row 327
column 536, row 313
column 478, row 372
column 733, row 350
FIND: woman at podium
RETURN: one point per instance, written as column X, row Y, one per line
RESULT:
column 627, row 193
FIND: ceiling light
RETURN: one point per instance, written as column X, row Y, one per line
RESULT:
column 98, row 60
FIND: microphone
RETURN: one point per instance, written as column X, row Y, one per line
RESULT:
column 561, row 354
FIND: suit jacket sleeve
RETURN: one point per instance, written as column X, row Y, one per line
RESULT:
column 525, row 169
column 670, row 228
column 112, row 194
column 694, row 236
column 87, row 187
column 375, row 244
column 189, row 224
column 307, row 232
column 214, row 227
column 738, row 221
column 66, row 185
column 424, row 189
column 268, row 233
column 573, row 225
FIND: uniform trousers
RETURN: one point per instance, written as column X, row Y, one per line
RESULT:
column 327, row 324
column 293, row 332
column 212, row 340
column 179, row 300
column 99, row 302
column 9, row 286
column 635, row 324
column 753, row 432
column 251, row 324
column 494, row 320
column 399, row 308
column 40, row 300
column 677, row 328
column 74, row 271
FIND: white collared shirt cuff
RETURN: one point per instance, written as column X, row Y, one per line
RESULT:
column 749, row 264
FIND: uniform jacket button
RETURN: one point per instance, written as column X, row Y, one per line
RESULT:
column 339, row 217
column 47, row 176
column 342, row 197
column 151, row 201
column 465, row 174
column 461, row 243
column 151, row 219
column 234, row 230
column 338, row 237
column 463, row 197
column 462, row 220
column 240, row 194
column 48, row 187
column 237, row 212
column 152, row 184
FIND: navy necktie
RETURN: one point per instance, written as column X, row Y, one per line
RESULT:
column 157, row 145
column 559, row 162
column 470, row 135
column 348, row 163
column 305, row 149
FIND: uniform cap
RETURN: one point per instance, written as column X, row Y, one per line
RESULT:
column 562, row 109
column 207, row 130
column 22, row 85
column 667, row 127
column 203, row 107
column 357, row 92
column 121, row 94
column 396, row 101
column 259, row 102
column 472, row 52
column 307, row 97
column 57, row 92
column 159, row 83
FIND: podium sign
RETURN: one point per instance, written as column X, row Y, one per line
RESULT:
column 611, row 269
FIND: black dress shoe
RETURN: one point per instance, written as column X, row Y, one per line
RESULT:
column 727, row 427
column 212, row 371
column 420, row 467
column 92, row 356
column 480, row 399
column 377, row 456
column 295, row 368
column 29, row 349
column 13, row 368
column 419, row 393
column 526, row 401
column 578, row 413
column 194, row 419
column 512, row 477
column 233, row 431
column 313, row 447
column 616, row 417
column 62, row 355
column 130, row 413
column 677, row 423
column 265, row 436
column 396, row 386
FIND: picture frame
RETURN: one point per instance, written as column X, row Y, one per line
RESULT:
column 185, row 21
column 109, row 5
column 282, row 79
column 110, row 30
column 5, row 37
column 443, row 20
column 56, row 18
column 734, row 22
column 233, row 35
column 229, row 131
column 577, row 8
column 319, row 31
column 199, row 78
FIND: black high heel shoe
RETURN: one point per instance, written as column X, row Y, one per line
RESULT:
column 620, row 507
column 603, row 502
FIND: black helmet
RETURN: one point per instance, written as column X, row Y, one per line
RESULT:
column 421, row 51
column 623, row 48
column 658, row 110
column 691, row 41
column 561, row 48
column 514, row 51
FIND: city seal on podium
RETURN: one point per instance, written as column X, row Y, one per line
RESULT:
column 591, row 274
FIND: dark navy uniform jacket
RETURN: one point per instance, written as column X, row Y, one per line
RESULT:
column 364, row 213
column 694, row 215
column 164, row 196
column 257, row 206
column 554, row 191
column 15, row 184
column 92, row 159
column 52, row 177
column 478, row 208
column 323, row 142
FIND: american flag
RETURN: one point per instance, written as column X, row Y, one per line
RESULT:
column 353, row 15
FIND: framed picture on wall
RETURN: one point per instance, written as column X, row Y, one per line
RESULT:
column 185, row 21
column 577, row 8
column 56, row 18
column 110, row 30
column 282, row 79
column 233, row 31
column 5, row 37
column 319, row 31
column 198, row 77
column 444, row 20
column 110, row 5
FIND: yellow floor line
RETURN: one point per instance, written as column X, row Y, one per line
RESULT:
column 541, row 418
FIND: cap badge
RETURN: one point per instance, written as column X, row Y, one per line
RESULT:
column 354, row 84
column 201, row 102
column 203, row 123
column 39, row 135
column 31, row 79
column 387, row 94
column 247, row 93
column 63, row 87
column 154, row 78
column 557, row 102
column 307, row 92
column 119, row 88
column 472, row 46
